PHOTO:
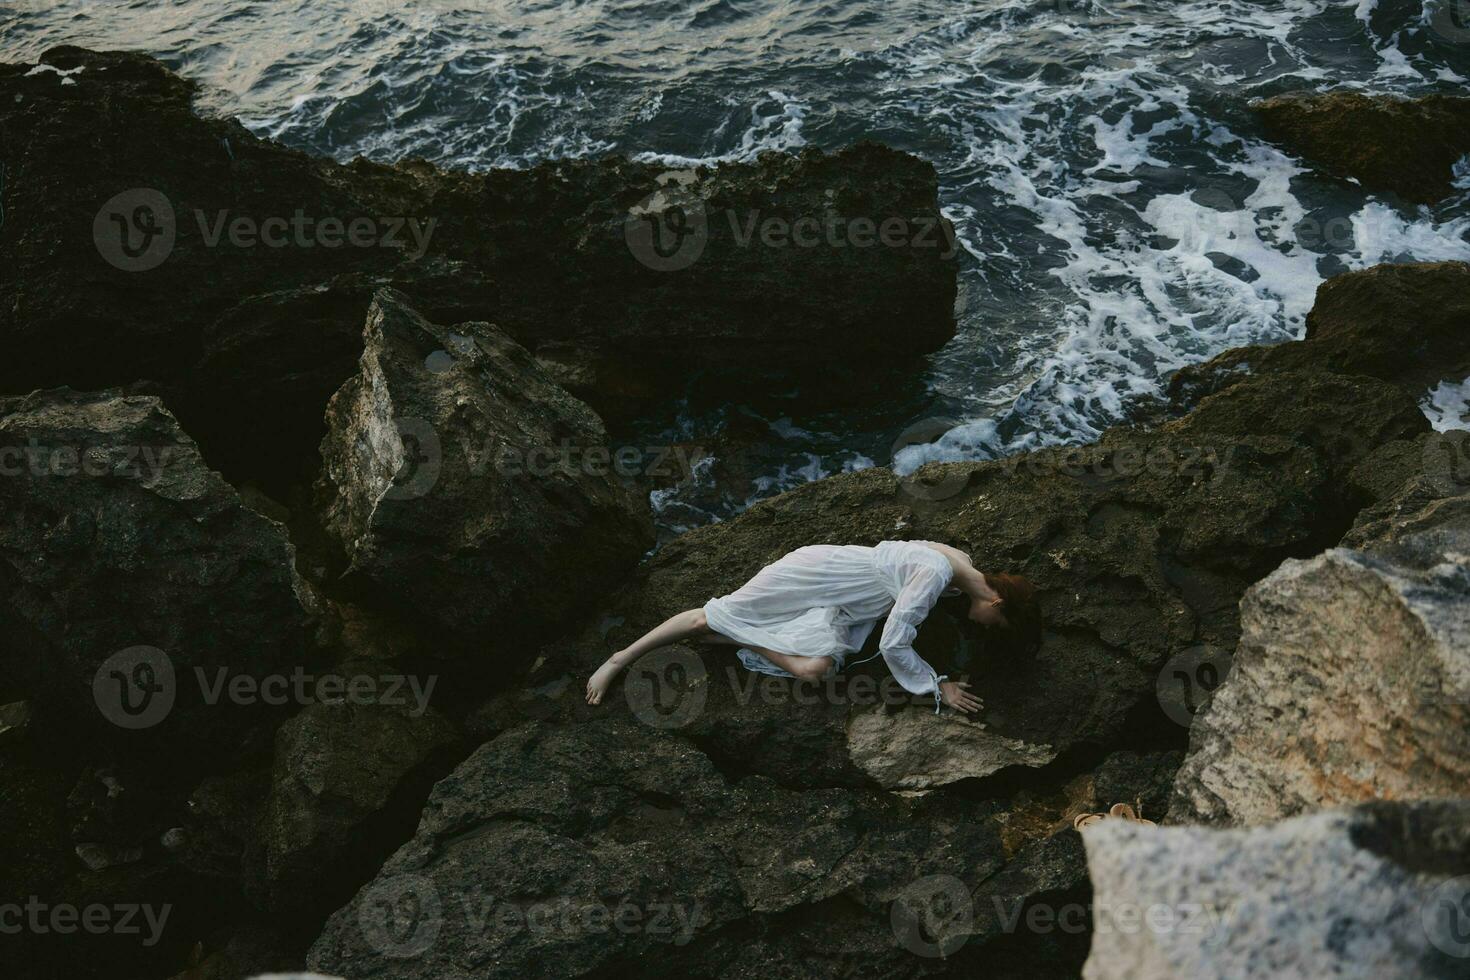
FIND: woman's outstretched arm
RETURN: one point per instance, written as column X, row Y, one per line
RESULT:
column 681, row 626
column 919, row 593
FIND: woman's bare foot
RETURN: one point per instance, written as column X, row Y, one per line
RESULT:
column 602, row 679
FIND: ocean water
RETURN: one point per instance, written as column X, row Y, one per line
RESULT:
column 1118, row 212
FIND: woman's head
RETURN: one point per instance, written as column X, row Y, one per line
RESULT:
column 1014, row 611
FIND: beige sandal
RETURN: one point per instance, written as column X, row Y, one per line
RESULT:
column 1119, row 811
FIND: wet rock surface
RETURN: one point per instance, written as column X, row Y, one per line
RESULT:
column 1408, row 324
column 347, row 777
column 133, row 264
column 134, row 582
column 1371, row 891
column 1406, row 146
column 468, row 487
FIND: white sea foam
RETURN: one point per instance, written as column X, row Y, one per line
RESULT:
column 1447, row 405
column 1383, row 234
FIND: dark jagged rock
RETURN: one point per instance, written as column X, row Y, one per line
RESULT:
column 1365, row 892
column 1428, row 516
column 249, row 339
column 115, row 536
column 469, row 487
column 347, row 778
column 545, row 826
column 1408, row 324
column 613, row 815
column 1407, row 146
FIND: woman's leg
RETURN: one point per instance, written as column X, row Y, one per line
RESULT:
column 689, row 624
column 802, row 668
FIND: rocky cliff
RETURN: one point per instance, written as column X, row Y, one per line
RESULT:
column 145, row 242
column 367, row 783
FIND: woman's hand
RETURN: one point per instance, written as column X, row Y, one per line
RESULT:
column 600, row 681
column 957, row 695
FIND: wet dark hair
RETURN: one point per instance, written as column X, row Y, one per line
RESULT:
column 1023, row 613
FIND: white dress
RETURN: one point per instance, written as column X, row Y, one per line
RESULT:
column 823, row 601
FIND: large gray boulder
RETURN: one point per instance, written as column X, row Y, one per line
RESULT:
column 1351, row 682
column 135, row 586
column 1380, row 890
column 470, row 488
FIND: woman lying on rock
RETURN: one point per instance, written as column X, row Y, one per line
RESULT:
column 801, row 616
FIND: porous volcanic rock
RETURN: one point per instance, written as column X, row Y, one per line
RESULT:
column 1407, row 146
column 116, row 537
